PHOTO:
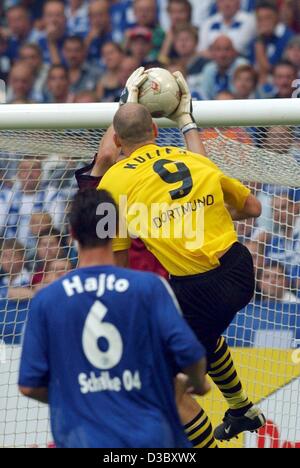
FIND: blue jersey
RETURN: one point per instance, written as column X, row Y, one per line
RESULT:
column 107, row 342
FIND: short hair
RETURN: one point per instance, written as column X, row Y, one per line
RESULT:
column 266, row 5
column 286, row 63
column 51, row 231
column 12, row 244
column 84, row 219
column 58, row 67
column 20, row 64
column 77, row 39
column 246, row 69
column 117, row 46
column 19, row 7
column 86, row 92
column 52, row 1
column 133, row 123
column 187, row 5
column 189, row 28
column 34, row 47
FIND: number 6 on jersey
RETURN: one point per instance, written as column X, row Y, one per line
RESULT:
column 94, row 329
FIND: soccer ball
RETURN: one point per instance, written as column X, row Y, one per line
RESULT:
column 160, row 93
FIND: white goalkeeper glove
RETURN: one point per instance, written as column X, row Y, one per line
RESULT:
column 130, row 93
column 183, row 116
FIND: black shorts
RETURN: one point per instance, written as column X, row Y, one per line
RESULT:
column 211, row 300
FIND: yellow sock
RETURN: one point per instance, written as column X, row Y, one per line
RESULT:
column 222, row 371
column 200, row 432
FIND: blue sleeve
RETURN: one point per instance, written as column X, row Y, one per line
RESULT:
column 34, row 369
column 177, row 336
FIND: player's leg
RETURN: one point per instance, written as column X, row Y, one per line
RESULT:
column 242, row 414
column 196, row 423
column 210, row 302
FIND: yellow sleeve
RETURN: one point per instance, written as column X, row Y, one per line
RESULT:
column 235, row 193
column 120, row 244
column 122, row 240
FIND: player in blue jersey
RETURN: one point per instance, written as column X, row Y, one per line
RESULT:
column 103, row 344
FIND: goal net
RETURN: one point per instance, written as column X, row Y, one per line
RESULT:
column 36, row 185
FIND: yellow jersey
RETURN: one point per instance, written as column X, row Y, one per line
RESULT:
column 175, row 201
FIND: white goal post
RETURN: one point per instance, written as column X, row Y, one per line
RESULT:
column 256, row 141
column 259, row 113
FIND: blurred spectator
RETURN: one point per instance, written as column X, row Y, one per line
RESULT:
column 122, row 16
column 272, row 39
column 58, row 85
column 273, row 285
column 245, row 81
column 201, row 10
column 284, row 77
column 146, row 15
column 185, row 46
column 232, row 22
column 31, row 55
column 77, row 17
column 7, row 175
column 100, row 30
column 290, row 13
column 15, row 279
column 29, row 195
column 51, row 40
column 218, row 75
column 50, row 247
column 283, row 242
column 38, row 224
column 20, row 30
column 4, row 59
column 127, row 67
column 180, row 14
column 292, row 53
column 21, row 84
column 140, row 45
column 257, row 250
column 108, row 88
column 82, row 76
column 55, row 269
column 85, row 97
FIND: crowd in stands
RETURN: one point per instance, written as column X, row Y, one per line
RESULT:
column 54, row 50
column 80, row 51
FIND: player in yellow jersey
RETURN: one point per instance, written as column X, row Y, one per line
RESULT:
column 182, row 206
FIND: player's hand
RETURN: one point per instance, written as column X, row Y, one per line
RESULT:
column 131, row 92
column 184, row 113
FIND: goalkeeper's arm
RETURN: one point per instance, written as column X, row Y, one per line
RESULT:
column 252, row 209
column 90, row 176
column 185, row 120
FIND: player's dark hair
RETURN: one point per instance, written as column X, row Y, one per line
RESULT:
column 90, row 228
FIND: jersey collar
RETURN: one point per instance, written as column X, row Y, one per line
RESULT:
column 143, row 150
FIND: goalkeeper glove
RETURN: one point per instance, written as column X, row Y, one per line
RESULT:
column 183, row 116
column 130, row 93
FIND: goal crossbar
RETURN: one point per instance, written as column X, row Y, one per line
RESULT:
column 264, row 112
